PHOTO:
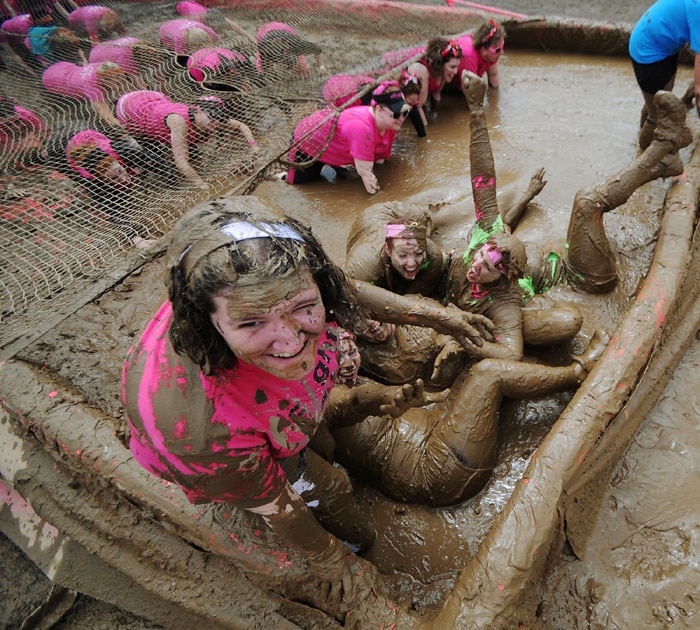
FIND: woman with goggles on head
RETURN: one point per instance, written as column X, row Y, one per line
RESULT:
column 435, row 69
column 343, row 88
column 358, row 139
column 481, row 53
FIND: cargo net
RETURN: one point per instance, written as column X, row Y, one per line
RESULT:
column 89, row 171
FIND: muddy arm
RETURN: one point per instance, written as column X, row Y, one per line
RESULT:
column 511, row 216
column 468, row 328
column 348, row 406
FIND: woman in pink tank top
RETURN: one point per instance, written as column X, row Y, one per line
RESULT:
column 228, row 382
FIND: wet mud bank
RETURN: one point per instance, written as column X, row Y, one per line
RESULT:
column 63, row 412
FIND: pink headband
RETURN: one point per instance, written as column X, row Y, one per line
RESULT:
column 401, row 230
column 496, row 257
column 491, row 33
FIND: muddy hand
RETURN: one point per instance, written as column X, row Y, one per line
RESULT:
column 537, row 183
column 450, row 352
column 410, row 395
column 332, row 567
column 470, row 329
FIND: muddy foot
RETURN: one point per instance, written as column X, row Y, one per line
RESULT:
column 596, row 347
column 671, row 125
column 474, row 89
column 670, row 166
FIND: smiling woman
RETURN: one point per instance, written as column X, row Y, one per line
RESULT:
column 229, row 380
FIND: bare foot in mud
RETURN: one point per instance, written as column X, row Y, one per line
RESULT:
column 596, row 347
column 474, row 90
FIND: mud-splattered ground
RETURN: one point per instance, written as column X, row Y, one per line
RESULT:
column 643, row 547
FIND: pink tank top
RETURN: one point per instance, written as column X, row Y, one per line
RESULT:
column 69, row 79
column 144, row 113
column 119, row 51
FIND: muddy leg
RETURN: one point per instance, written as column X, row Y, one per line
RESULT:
column 650, row 116
column 588, row 256
column 337, row 509
column 470, row 425
column 483, row 170
column 552, row 325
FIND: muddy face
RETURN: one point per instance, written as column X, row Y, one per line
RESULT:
column 483, row 269
column 406, row 256
column 281, row 339
column 348, row 362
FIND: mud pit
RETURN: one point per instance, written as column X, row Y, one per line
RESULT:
column 580, row 131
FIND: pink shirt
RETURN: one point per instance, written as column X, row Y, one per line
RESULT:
column 144, row 113
column 397, row 57
column 119, row 51
column 12, row 133
column 173, row 34
column 88, row 18
column 471, row 60
column 69, row 79
column 18, row 25
column 356, row 137
column 303, row 67
column 191, row 10
column 228, row 430
column 89, row 138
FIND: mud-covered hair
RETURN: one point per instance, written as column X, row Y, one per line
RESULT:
column 514, row 259
column 435, row 52
column 202, row 261
column 488, row 34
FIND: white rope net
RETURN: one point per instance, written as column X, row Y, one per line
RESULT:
column 63, row 230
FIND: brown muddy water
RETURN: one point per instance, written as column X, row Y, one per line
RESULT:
column 577, row 118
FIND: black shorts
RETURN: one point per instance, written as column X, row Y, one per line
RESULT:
column 653, row 77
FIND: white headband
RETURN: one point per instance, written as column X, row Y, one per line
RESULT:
column 241, row 230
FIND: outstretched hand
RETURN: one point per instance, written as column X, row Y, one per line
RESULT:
column 469, row 329
column 537, row 183
column 403, row 397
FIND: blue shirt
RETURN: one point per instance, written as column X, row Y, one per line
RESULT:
column 665, row 28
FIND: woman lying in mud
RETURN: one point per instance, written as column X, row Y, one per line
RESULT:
column 477, row 281
column 446, row 454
